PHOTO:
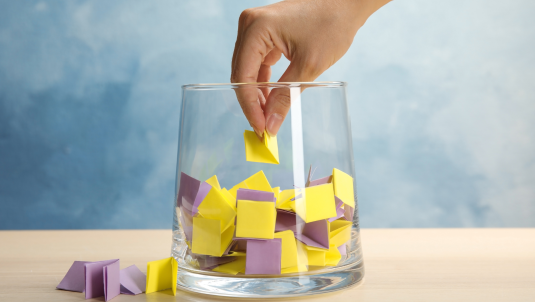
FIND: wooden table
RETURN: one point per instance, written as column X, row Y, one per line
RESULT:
column 401, row 264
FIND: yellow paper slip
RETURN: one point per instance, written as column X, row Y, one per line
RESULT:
column 340, row 232
column 229, row 198
column 343, row 187
column 213, row 182
column 215, row 206
column 316, row 203
column 289, row 249
column 302, row 260
column 333, row 256
column 256, row 219
column 233, row 268
column 161, row 275
column 207, row 238
column 258, row 181
column 265, row 150
column 234, row 190
column 285, row 196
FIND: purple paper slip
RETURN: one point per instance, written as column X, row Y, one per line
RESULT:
column 187, row 192
column 74, row 280
column 321, row 181
column 112, row 284
column 187, row 223
column 94, row 278
column 339, row 210
column 286, row 220
column 315, row 234
column 204, row 188
column 207, row 261
column 342, row 249
column 255, row 195
column 263, row 257
column 348, row 212
column 133, row 281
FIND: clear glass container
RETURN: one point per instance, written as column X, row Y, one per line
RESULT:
column 246, row 228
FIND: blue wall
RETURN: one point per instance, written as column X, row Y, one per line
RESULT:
column 442, row 99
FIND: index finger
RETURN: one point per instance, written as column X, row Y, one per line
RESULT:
column 249, row 56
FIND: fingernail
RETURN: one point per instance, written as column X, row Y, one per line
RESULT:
column 274, row 122
column 258, row 133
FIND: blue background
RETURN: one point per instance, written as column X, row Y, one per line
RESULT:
column 441, row 97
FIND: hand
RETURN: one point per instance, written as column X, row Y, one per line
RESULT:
column 312, row 35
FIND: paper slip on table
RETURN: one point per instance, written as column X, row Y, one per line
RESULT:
column 401, row 264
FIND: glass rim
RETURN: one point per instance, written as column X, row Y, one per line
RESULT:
column 263, row 85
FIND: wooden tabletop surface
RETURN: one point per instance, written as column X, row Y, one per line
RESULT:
column 401, row 264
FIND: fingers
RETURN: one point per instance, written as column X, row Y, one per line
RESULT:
column 279, row 102
column 252, row 47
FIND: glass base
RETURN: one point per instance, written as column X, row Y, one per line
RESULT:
column 318, row 280
column 275, row 287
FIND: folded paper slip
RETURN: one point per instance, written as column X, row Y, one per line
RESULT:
column 161, row 275
column 316, row 203
column 263, row 257
column 289, row 249
column 343, row 187
column 256, row 219
column 187, row 191
column 263, row 150
column 96, row 279
column 209, row 238
column 133, row 281
column 215, row 206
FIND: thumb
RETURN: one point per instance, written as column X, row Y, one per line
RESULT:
column 278, row 102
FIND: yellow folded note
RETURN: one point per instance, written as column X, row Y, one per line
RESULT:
column 229, row 198
column 263, row 150
column 285, row 196
column 207, row 238
column 256, row 219
column 333, row 256
column 234, row 267
column 343, row 187
column 316, row 256
column 161, row 275
column 289, row 249
column 215, row 206
column 302, row 260
column 258, row 181
column 234, row 190
column 316, row 203
column 340, row 232
column 213, row 182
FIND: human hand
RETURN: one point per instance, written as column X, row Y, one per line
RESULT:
column 312, row 35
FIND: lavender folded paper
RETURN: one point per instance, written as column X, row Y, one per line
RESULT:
column 263, row 257
column 204, row 188
column 112, row 283
column 342, row 250
column 286, row 220
column 74, row 280
column 208, row 261
column 315, row 234
column 186, row 221
column 96, row 276
column 349, row 211
column 133, row 281
column 187, row 192
column 255, row 195
column 339, row 210
column 321, row 181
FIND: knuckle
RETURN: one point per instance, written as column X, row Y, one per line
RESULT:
column 284, row 100
column 250, row 15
